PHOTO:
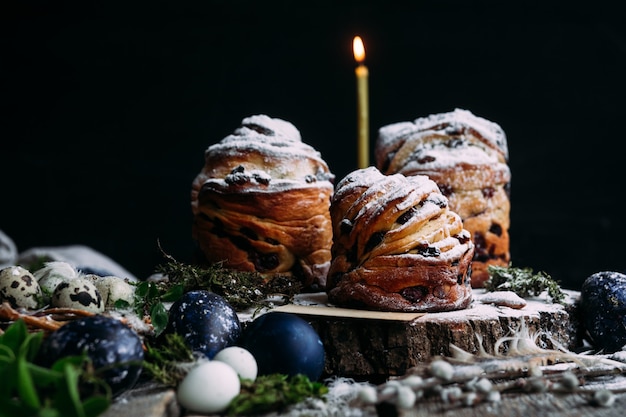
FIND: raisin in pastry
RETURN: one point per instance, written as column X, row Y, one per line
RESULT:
column 397, row 246
column 261, row 203
column 467, row 156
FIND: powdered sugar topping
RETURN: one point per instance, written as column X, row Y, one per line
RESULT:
column 459, row 117
column 436, row 155
column 271, row 136
column 267, row 150
column 446, row 124
column 365, row 177
column 268, row 126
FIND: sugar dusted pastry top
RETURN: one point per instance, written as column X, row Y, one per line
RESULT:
column 271, row 151
column 425, row 144
column 393, row 215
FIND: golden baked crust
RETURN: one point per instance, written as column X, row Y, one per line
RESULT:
column 397, row 246
column 467, row 156
column 261, row 203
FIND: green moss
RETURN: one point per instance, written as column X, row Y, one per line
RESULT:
column 523, row 281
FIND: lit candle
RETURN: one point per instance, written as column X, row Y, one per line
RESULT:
column 362, row 103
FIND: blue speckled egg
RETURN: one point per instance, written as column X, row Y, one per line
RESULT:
column 603, row 307
column 114, row 348
column 207, row 322
column 286, row 344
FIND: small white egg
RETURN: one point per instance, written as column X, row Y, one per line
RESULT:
column 20, row 288
column 79, row 293
column 209, row 388
column 240, row 359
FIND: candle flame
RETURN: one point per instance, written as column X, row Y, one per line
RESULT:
column 358, row 49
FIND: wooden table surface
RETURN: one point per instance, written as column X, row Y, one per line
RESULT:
column 163, row 404
column 525, row 405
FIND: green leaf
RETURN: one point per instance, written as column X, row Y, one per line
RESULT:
column 142, row 289
column 159, row 317
column 174, row 293
column 69, row 392
column 8, row 386
column 32, row 343
column 153, row 291
column 49, row 412
column 26, row 386
column 121, row 304
column 45, row 377
column 7, row 355
column 14, row 336
column 96, row 405
column 74, row 360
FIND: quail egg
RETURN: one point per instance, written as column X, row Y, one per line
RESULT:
column 20, row 288
column 79, row 293
column 52, row 274
column 114, row 289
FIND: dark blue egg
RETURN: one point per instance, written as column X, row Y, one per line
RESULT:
column 115, row 349
column 207, row 322
column 603, row 307
column 284, row 343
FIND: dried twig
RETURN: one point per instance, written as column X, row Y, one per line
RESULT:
column 50, row 319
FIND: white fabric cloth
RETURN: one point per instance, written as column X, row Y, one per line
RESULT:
column 79, row 256
column 8, row 251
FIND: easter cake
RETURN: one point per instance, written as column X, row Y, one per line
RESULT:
column 261, row 203
column 397, row 246
column 467, row 156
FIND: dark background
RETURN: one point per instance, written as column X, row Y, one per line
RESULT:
column 108, row 107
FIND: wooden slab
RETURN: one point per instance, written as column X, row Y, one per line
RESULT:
column 374, row 346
